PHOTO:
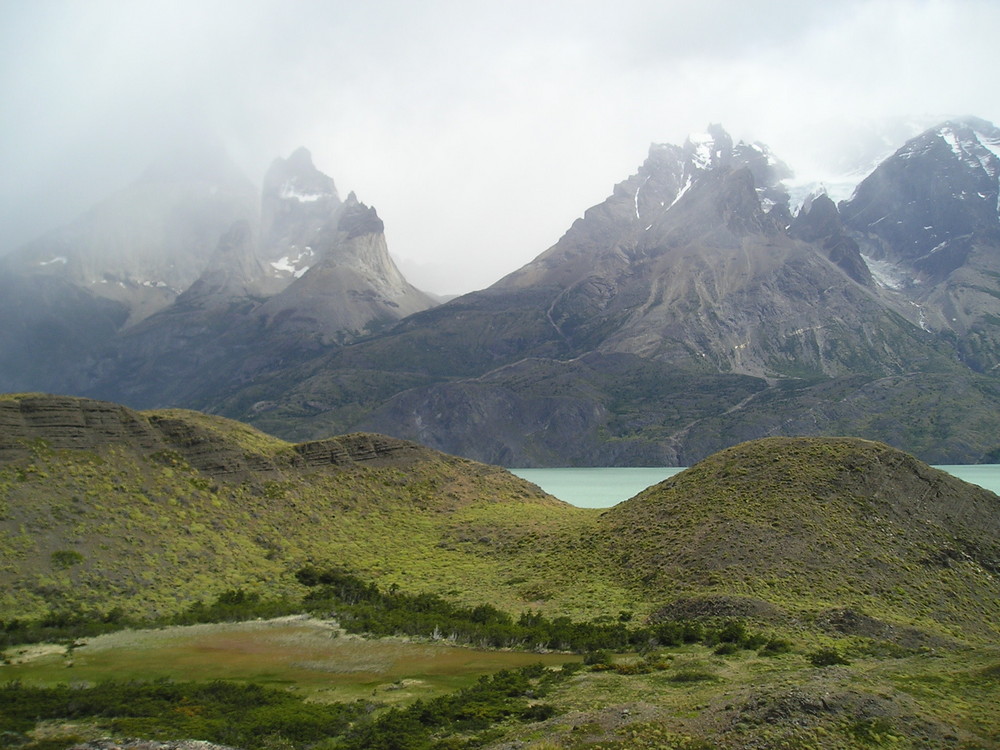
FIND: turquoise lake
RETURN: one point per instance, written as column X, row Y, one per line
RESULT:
column 604, row 487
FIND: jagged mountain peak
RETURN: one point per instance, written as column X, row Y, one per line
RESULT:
column 300, row 208
column 973, row 141
column 297, row 180
column 922, row 204
column 711, row 149
column 677, row 168
column 358, row 219
column 301, row 157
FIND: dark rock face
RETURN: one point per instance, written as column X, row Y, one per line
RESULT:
column 936, row 190
column 69, row 423
column 820, row 223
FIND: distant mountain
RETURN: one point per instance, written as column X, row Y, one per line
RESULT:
column 301, row 271
column 69, row 293
column 688, row 311
column 928, row 222
column 150, row 241
column 694, row 308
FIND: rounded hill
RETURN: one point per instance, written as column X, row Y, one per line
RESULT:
column 817, row 525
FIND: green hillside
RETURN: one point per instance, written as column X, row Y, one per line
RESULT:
column 786, row 593
column 103, row 508
column 809, row 525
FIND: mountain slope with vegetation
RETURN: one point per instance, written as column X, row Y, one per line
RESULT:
column 103, row 507
column 826, row 593
column 821, row 526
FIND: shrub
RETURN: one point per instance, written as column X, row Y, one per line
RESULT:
column 65, row 558
column 598, row 656
column 827, row 657
column 691, row 674
column 775, row 646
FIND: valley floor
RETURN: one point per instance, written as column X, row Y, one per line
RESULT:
column 872, row 694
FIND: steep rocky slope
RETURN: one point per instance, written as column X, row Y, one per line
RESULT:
column 928, row 221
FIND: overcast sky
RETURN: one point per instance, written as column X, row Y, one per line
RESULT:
column 479, row 131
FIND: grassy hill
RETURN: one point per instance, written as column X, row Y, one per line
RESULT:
column 873, row 576
column 102, row 507
column 813, row 525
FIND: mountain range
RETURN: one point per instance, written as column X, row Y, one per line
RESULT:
column 694, row 308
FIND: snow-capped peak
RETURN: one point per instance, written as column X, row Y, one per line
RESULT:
column 703, row 150
column 709, row 149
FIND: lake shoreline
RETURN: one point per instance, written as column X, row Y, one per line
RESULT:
column 605, row 487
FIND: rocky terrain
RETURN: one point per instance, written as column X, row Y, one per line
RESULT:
column 687, row 312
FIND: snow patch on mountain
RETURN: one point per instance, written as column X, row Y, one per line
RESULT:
column 704, row 150
column 293, row 264
column 979, row 150
column 680, row 193
column 887, row 274
column 289, row 191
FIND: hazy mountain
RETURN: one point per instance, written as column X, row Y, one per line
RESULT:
column 688, row 311
column 191, row 281
column 150, row 241
column 69, row 293
column 315, row 273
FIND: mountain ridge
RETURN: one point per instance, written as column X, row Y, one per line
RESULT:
column 706, row 276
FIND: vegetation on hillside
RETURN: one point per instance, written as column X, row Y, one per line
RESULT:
column 788, row 593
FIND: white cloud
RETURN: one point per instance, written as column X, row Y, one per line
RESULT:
column 478, row 131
